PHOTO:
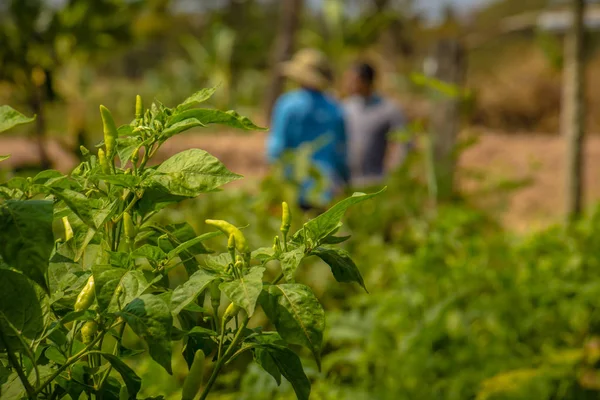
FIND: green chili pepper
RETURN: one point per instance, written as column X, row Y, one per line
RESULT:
column 86, row 296
column 286, row 218
column 130, row 231
column 88, row 332
column 240, row 241
column 231, row 242
column 68, row 229
column 135, row 156
column 110, row 133
column 276, row 245
column 103, row 162
column 215, row 295
column 231, row 311
column 193, row 381
column 139, row 108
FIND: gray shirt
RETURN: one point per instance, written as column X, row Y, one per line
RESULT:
column 369, row 121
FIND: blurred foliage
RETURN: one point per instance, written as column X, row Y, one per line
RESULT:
column 458, row 307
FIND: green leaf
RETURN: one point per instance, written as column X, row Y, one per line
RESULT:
column 133, row 284
column 94, row 212
column 277, row 360
column 290, row 261
column 4, row 374
column 218, row 262
column 181, row 126
column 263, row 357
column 20, row 308
column 2, row 158
column 9, row 118
column 322, row 226
column 244, row 292
column 150, row 318
column 200, row 331
column 194, row 246
column 190, row 173
column 27, row 238
column 149, row 252
column 332, row 239
column 125, row 148
column 106, row 280
column 188, row 292
column 125, row 130
column 53, row 354
column 210, row 116
column 297, row 315
column 264, row 254
column 179, row 234
column 342, row 266
column 132, row 381
column 199, row 97
column 290, row 366
column 123, row 180
column 52, row 178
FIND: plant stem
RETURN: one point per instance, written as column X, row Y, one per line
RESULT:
column 221, row 361
column 15, row 363
column 285, row 246
column 115, row 352
column 277, row 279
column 68, row 363
column 221, row 340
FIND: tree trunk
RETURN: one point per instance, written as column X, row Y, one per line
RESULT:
column 40, row 127
column 284, row 47
column 446, row 116
column 573, row 110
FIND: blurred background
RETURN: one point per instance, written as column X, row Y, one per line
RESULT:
column 478, row 291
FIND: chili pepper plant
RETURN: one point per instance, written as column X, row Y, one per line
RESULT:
column 82, row 258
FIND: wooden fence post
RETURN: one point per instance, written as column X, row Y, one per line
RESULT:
column 450, row 67
column 573, row 109
column 289, row 21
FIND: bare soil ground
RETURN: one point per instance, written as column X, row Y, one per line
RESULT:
column 496, row 158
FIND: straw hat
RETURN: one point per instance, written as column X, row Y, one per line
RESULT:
column 308, row 67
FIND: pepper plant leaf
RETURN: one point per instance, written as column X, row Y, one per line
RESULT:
column 342, row 266
column 20, row 309
column 277, row 359
column 297, row 315
column 210, row 116
column 290, row 261
column 193, row 246
column 199, row 97
column 325, row 224
column 187, row 292
column 180, row 126
column 9, row 118
column 132, row 381
column 150, row 318
column 106, row 280
column 244, row 292
column 27, row 238
column 190, row 173
column 133, row 284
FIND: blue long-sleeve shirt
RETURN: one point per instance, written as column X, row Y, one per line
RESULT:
column 304, row 116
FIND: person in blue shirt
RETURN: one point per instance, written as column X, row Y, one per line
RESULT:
column 309, row 116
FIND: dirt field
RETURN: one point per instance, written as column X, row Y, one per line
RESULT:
column 496, row 158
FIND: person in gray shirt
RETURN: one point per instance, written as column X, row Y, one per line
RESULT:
column 370, row 119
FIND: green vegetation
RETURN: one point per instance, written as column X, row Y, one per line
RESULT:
column 67, row 303
column 132, row 279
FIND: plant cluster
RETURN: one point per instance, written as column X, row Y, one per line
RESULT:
column 83, row 258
